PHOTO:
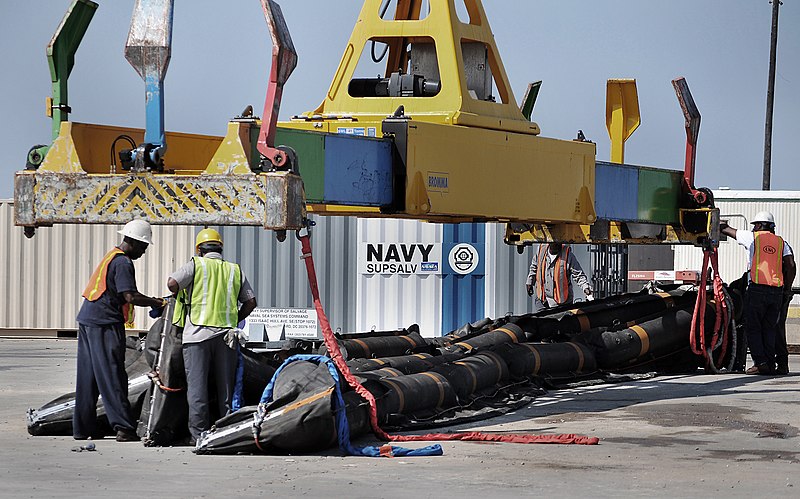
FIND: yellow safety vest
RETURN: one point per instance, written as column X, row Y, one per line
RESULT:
column 179, row 314
column 214, row 301
column 767, row 265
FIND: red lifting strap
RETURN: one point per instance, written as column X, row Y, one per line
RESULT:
column 336, row 355
column 697, row 336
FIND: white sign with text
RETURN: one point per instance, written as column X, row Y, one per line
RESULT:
column 400, row 258
column 273, row 324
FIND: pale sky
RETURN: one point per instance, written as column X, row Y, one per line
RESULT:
column 221, row 53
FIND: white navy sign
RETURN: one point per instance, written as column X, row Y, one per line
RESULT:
column 273, row 324
column 420, row 259
column 400, row 258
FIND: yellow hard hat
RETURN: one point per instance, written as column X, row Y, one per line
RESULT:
column 207, row 236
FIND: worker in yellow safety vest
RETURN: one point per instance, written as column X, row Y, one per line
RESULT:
column 209, row 291
column 552, row 270
column 108, row 306
column 772, row 271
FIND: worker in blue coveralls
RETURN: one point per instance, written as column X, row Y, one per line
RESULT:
column 208, row 291
column 108, row 307
column 553, row 268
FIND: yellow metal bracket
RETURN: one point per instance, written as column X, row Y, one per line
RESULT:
column 63, row 154
column 233, row 154
column 622, row 115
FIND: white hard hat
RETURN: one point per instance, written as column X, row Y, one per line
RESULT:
column 763, row 217
column 139, row 230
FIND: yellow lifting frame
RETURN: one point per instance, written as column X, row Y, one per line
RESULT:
column 453, row 104
column 84, row 148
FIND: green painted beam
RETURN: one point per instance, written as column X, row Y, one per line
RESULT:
column 530, row 99
column 61, row 55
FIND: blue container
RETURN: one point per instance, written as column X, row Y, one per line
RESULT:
column 358, row 171
column 616, row 191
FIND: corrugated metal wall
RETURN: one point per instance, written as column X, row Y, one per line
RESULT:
column 394, row 301
column 41, row 279
column 739, row 207
column 506, row 271
column 463, row 296
column 278, row 274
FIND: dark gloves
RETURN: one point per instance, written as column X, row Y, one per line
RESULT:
column 529, row 288
column 156, row 312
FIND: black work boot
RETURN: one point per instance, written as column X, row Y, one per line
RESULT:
column 127, row 436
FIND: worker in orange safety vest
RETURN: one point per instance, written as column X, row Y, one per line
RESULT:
column 552, row 270
column 109, row 299
column 772, row 271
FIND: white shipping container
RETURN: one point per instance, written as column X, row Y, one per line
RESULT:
column 42, row 278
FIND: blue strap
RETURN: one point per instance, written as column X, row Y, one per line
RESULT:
column 238, row 397
column 340, row 413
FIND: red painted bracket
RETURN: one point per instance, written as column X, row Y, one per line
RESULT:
column 284, row 60
column 692, row 116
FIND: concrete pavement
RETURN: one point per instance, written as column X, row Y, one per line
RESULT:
column 676, row 436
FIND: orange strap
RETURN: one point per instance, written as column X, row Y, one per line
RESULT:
column 697, row 334
column 155, row 377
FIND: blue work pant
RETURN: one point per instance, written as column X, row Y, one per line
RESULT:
column 762, row 310
column 101, row 371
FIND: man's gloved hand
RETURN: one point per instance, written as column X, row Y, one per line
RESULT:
column 529, row 287
column 234, row 338
column 156, row 312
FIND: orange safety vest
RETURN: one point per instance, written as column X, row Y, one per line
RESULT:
column 97, row 285
column 767, row 265
column 560, row 275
